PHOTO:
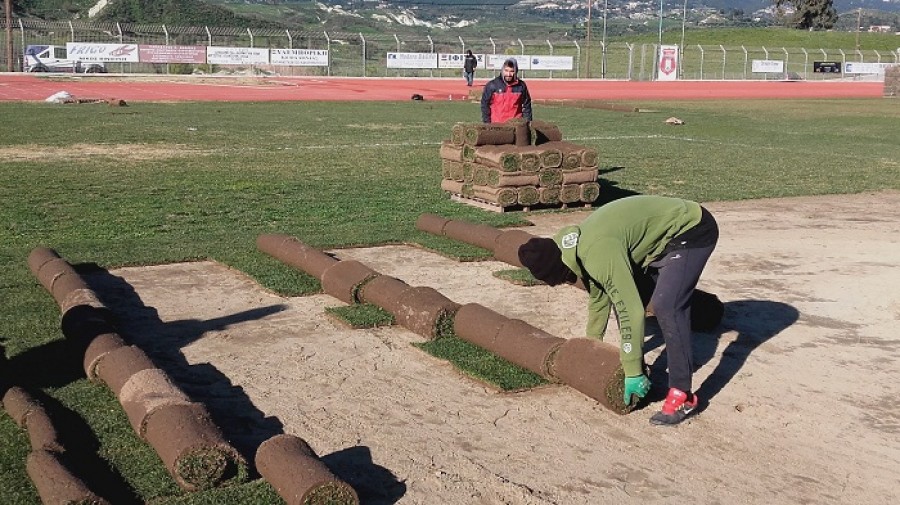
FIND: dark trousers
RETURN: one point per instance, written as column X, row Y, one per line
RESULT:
column 676, row 275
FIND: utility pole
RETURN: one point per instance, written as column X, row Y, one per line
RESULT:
column 9, row 44
column 858, row 20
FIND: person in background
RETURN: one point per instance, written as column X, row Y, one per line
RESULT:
column 469, row 66
column 506, row 96
column 670, row 240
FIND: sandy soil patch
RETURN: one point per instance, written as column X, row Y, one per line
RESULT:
column 133, row 152
column 801, row 381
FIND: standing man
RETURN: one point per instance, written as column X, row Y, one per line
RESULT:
column 469, row 67
column 506, row 96
column 668, row 238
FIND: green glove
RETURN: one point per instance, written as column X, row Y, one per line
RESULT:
column 636, row 386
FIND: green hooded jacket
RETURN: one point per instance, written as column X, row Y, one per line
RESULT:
column 607, row 247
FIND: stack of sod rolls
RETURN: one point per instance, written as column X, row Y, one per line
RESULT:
column 892, row 81
column 518, row 163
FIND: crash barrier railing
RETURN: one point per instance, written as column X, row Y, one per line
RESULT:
column 359, row 55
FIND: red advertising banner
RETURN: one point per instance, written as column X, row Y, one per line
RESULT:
column 171, row 54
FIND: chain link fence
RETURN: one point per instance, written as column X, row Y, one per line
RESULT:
column 359, row 55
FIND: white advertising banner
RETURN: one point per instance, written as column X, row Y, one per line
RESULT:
column 668, row 63
column 766, row 66
column 83, row 51
column 453, row 60
column 495, row 61
column 851, row 67
column 551, row 62
column 411, row 60
column 236, row 55
column 299, row 57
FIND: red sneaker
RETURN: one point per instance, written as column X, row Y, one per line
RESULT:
column 675, row 409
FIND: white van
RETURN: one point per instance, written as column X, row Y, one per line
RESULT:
column 47, row 58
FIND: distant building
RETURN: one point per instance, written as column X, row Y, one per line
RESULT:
column 880, row 29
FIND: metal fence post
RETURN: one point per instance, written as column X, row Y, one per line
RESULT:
column 702, row 59
column 723, row 60
column 746, row 60
column 363, row 53
column 805, row 63
column 208, row 35
column 431, row 50
column 628, row 73
column 328, row 48
column 551, row 54
column 577, row 60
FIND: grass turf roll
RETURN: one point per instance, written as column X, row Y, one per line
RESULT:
column 580, row 176
column 425, row 311
column 383, row 291
column 343, row 279
column 544, row 131
column 451, row 152
column 503, row 157
column 120, row 364
column 589, row 192
column 500, row 179
column 55, row 483
column 63, row 285
column 299, row 477
column 40, row 256
column 476, row 234
column 522, row 131
column 458, row 134
column 531, row 162
column 592, row 367
column 481, row 134
column 508, row 244
column 526, row 346
column 478, row 325
column 503, row 197
column 528, row 195
column 192, row 448
column 590, row 157
column 452, row 170
column 549, row 196
column 480, row 175
column 570, row 193
column 146, row 391
column 97, row 349
column 18, row 404
column 550, row 177
column 41, row 432
column 454, row 187
column 431, row 223
column 292, row 252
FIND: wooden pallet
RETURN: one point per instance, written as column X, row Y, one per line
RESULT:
column 493, row 207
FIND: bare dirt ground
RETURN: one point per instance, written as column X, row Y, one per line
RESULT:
column 802, row 381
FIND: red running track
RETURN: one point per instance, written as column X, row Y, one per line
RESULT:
column 30, row 87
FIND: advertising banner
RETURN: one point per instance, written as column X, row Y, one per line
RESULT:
column 668, row 63
column 495, row 61
column 852, row 67
column 171, row 54
column 83, row 51
column 551, row 62
column 411, row 60
column 452, row 60
column 236, row 55
column 299, row 57
column 767, row 66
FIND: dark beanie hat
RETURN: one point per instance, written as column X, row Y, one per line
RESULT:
column 543, row 259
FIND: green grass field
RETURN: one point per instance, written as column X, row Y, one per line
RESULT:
column 160, row 183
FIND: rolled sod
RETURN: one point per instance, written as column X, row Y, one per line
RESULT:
column 192, row 448
column 590, row 191
column 580, row 176
column 499, row 179
column 146, row 391
column 467, row 190
column 527, row 196
column 41, row 432
column 425, row 311
column 120, row 364
column 592, row 367
column 478, row 325
column 55, row 483
column 468, row 171
column 480, row 175
column 295, row 253
column 383, row 291
column 522, row 131
column 502, row 157
column 590, row 158
column 522, row 344
column 454, row 187
column 18, row 404
column 480, row 235
column 431, row 223
column 451, row 152
column 503, row 197
column 84, row 322
column 452, row 170
column 38, row 257
column 299, row 477
column 551, row 158
column 481, row 134
column 531, row 162
column 508, row 243
column 458, row 134
column 549, row 196
column 550, row 177
column 343, row 279
column 544, row 131
column 570, row 193
column 99, row 347
column 80, row 297
column 51, row 270
column 469, row 153
column 65, row 284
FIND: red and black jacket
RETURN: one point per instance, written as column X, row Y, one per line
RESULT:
column 501, row 101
